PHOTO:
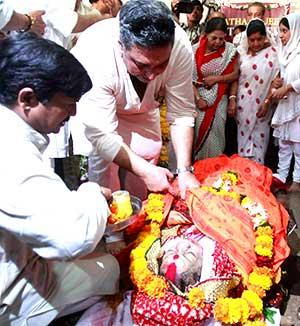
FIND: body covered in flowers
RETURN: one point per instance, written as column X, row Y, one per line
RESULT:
column 232, row 224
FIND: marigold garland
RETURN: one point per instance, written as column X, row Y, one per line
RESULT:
column 250, row 305
column 247, row 309
column 165, row 135
column 144, row 279
column 196, row 298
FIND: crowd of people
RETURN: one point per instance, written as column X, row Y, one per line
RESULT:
column 125, row 61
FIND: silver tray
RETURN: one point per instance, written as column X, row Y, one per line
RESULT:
column 119, row 226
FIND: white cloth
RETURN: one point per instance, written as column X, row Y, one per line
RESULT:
column 6, row 12
column 285, row 121
column 256, row 75
column 112, row 111
column 286, row 150
column 41, row 219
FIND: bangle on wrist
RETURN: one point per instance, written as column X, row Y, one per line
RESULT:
column 30, row 23
column 232, row 96
column 267, row 101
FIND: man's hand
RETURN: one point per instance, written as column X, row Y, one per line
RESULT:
column 38, row 25
column 106, row 192
column 186, row 180
column 157, row 178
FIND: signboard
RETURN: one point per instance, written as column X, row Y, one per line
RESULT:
column 237, row 13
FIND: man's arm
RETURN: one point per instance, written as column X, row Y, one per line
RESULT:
column 156, row 178
column 18, row 22
column 85, row 21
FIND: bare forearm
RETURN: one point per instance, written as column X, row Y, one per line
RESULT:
column 17, row 22
column 128, row 160
column 84, row 21
column 182, row 139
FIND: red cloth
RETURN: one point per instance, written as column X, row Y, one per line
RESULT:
column 170, row 310
column 201, row 59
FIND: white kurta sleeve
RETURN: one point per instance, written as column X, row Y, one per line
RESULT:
column 179, row 90
column 296, row 85
column 6, row 12
column 55, row 222
column 97, row 111
column 97, row 108
column 62, row 16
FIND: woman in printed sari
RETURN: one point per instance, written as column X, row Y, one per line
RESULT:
column 258, row 67
column 216, row 67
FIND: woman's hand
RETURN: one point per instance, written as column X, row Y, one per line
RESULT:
column 201, row 104
column 210, row 81
column 281, row 92
column 231, row 109
column 262, row 111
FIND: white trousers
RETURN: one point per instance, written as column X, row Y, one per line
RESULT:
column 74, row 287
column 287, row 149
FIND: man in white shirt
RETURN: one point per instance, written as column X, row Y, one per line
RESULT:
column 134, row 61
column 46, row 231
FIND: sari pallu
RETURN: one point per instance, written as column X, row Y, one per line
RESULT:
column 220, row 62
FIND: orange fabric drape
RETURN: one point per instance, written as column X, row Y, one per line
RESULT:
column 224, row 220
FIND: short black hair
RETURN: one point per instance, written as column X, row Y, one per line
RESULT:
column 256, row 26
column 146, row 23
column 216, row 24
column 27, row 60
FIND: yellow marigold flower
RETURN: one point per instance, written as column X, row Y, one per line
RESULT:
column 246, row 201
column 264, row 240
column 264, row 251
column 231, row 311
column 231, row 176
column 155, row 196
column 255, row 323
column 254, row 301
column 263, row 281
column 156, row 216
column 196, row 298
column 258, row 290
column 156, row 287
column 138, row 253
column 264, row 230
column 264, row 271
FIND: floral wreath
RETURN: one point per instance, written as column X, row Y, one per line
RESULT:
column 248, row 308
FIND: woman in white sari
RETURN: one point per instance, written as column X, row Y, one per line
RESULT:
column 286, row 120
column 258, row 67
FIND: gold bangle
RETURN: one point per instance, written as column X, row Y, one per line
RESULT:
column 267, row 101
column 30, row 23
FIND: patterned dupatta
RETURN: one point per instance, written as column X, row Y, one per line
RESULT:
column 228, row 54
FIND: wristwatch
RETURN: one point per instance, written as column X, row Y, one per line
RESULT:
column 185, row 169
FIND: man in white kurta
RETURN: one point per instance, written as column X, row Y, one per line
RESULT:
column 113, row 114
column 46, row 230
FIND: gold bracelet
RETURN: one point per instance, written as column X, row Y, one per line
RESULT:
column 267, row 101
column 31, row 21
